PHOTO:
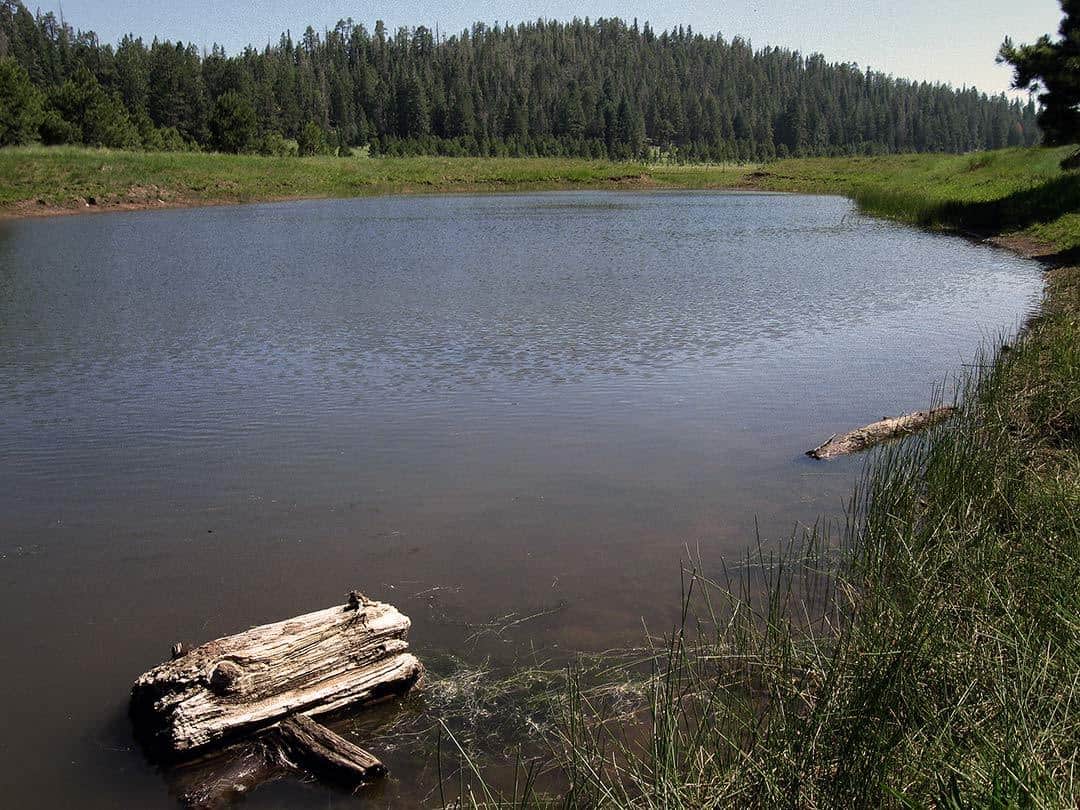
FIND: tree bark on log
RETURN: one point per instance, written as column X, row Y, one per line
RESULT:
column 313, row 664
column 877, row 432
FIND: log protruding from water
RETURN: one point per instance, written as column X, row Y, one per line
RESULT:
column 295, row 747
column 334, row 659
column 301, row 743
column 889, row 428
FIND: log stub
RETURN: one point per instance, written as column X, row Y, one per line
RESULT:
column 303, row 744
column 296, row 747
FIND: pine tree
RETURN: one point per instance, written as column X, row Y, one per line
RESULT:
column 234, row 125
column 311, row 140
column 20, row 105
column 1055, row 67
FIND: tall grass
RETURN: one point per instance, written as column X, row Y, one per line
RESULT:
column 925, row 654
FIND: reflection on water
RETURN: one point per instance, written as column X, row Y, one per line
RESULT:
column 468, row 406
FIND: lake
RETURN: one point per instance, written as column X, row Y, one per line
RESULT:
column 513, row 413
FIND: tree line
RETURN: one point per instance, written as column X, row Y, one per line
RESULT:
column 603, row 88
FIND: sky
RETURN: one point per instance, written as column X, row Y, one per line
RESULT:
column 951, row 41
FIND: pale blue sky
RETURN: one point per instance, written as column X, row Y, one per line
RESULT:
column 939, row 40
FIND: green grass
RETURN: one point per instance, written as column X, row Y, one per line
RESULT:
column 933, row 661
column 1021, row 191
column 66, row 177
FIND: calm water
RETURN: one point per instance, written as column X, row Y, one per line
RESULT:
column 473, row 407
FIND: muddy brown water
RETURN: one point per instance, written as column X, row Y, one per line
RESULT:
column 479, row 408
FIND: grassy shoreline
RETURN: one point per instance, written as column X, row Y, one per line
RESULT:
column 924, row 654
column 38, row 181
column 1018, row 191
column 927, row 656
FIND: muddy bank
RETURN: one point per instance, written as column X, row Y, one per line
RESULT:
column 25, row 209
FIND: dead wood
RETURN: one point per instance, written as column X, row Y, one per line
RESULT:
column 321, row 662
column 295, row 747
column 877, row 432
column 303, row 744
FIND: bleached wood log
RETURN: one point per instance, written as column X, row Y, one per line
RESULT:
column 877, row 432
column 321, row 662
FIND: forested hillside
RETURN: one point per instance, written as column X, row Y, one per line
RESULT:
column 596, row 89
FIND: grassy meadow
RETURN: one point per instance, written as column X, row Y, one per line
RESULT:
column 65, row 178
column 925, row 653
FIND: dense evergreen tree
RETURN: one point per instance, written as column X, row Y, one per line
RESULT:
column 97, row 117
column 234, row 125
column 587, row 88
column 1055, row 66
column 311, row 140
column 20, row 105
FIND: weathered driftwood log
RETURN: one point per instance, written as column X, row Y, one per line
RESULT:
column 301, row 743
column 321, row 662
column 878, row 432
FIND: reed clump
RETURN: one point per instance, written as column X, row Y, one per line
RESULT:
column 924, row 654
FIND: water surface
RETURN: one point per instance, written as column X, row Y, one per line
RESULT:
column 474, row 407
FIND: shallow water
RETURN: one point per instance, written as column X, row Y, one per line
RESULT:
column 478, row 408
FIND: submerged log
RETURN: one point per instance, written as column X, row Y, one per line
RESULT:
column 221, row 778
column 296, row 747
column 321, row 662
column 301, row 743
column 888, row 428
